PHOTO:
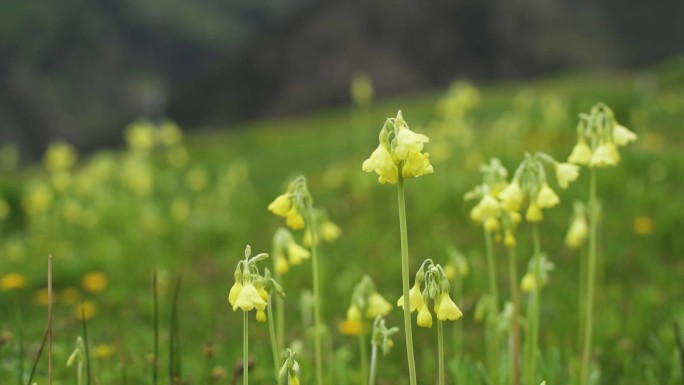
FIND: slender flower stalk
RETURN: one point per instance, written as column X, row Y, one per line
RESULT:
column 515, row 324
column 381, row 337
column 274, row 343
column 363, row 355
column 245, row 348
column 373, row 364
column 405, row 281
column 591, row 278
column 533, row 318
column 493, row 339
column 316, row 296
column 440, row 350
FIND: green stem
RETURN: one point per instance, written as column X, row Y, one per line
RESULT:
column 536, row 304
column 245, row 348
column 440, row 350
column 458, row 326
column 373, row 364
column 582, row 306
column 515, row 325
column 274, row 344
column 79, row 376
column 591, row 280
column 316, row 296
column 280, row 316
column 493, row 340
column 405, row 280
column 363, row 355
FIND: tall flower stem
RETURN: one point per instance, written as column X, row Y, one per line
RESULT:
column 532, row 339
column 405, row 280
column 373, row 364
column 591, row 279
column 440, row 350
column 274, row 343
column 245, row 348
column 515, row 325
column 280, row 313
column 316, row 295
column 458, row 326
column 363, row 355
column 493, row 339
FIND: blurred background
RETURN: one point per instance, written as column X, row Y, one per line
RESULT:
column 79, row 70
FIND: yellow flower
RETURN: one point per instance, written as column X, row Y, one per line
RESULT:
column 59, row 157
column 577, row 233
column 41, row 297
column 94, row 282
column 353, row 313
column 606, row 154
column 297, row 253
column 12, row 281
column 377, row 305
column 104, row 351
column 547, row 198
column 140, row 135
column 415, row 298
column 417, row 164
column 566, row 173
column 448, row 310
column 534, row 213
column 261, row 316
column 293, row 380
column 180, row 210
column 330, row 231
column 581, row 153
column 622, row 136
column 85, row 310
column 642, row 225
column 509, row 239
column 281, row 265
column 38, row 200
column 249, row 299
column 381, row 163
column 263, row 294
column 281, row 205
column 491, row 224
column 512, row 196
column 170, row 134
column 234, row 293
column 528, row 283
column 408, row 142
column 350, row 328
column 362, row 90
column 424, row 317
column 294, row 219
column 477, row 213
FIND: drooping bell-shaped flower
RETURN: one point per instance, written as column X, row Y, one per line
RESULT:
column 294, row 219
column 547, row 198
column 448, row 310
column 249, row 299
column 297, row 253
column 281, row 205
column 381, row 163
column 415, row 298
column 566, row 173
column 606, row 154
column 424, row 317
column 581, row 153
column 377, row 305
column 623, row 136
column 512, row 196
column 234, row 292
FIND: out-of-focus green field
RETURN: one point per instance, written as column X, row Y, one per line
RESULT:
column 189, row 208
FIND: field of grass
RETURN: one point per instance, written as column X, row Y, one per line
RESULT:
column 186, row 207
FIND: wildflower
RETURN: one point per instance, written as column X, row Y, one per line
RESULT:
column 415, row 298
column 234, row 292
column 104, row 351
column 566, row 173
column 354, row 313
column 330, row 231
column 377, row 305
column 60, row 156
column 547, row 198
column 512, row 196
column 249, row 298
column 170, row 134
column 12, row 281
column 448, row 310
column 296, row 253
column 491, row 224
column 41, row 297
column 281, row 205
column 362, row 90
column 281, row 265
column 578, row 232
column 622, row 136
column 642, row 225
column 509, row 239
column 94, row 282
column 38, row 199
column 140, row 135
column 350, row 328
column 85, row 310
column 581, row 153
column 408, row 142
column 528, row 283
column 534, row 213
column 260, row 316
column 381, row 163
column 294, row 219
column 424, row 317
column 605, row 155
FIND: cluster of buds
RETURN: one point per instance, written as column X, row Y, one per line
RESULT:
column 144, row 135
column 579, row 228
column 286, row 251
column 290, row 367
column 251, row 290
column 431, row 283
column 399, row 151
column 530, row 279
column 598, row 137
column 366, row 301
column 293, row 204
column 381, row 335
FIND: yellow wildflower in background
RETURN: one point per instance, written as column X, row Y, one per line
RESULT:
column 170, row 134
column 642, row 225
column 377, row 305
column 566, row 173
column 59, row 156
column 350, row 328
column 104, row 351
column 12, row 281
column 581, row 153
column 38, row 199
column 94, row 282
column 85, row 310
column 140, row 135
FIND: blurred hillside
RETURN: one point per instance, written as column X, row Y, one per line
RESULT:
column 79, row 70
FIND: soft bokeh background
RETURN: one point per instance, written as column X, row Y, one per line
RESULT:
column 230, row 100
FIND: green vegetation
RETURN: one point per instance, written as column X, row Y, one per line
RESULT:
column 188, row 206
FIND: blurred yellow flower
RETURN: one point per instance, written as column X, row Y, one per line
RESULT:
column 59, row 156
column 512, row 196
column 362, row 90
column 281, row 205
column 41, row 297
column 606, row 154
column 140, row 135
column 294, row 219
column 581, row 153
column 528, row 283
column 509, row 239
column 170, row 134
column 566, row 173
column 103, row 351
column 37, row 200
column 353, row 313
column 578, row 232
column 350, row 328
column 534, row 213
column 547, row 198
column 622, row 136
column 85, row 310
column 296, row 253
column 12, row 281
column 642, row 225
column 260, row 316
column 281, row 265
column 94, row 282
column 330, row 231
column 377, row 305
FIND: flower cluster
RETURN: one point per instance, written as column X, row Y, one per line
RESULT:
column 286, row 251
column 381, row 335
column 251, row 291
column 435, row 287
column 399, row 151
column 529, row 280
column 366, row 301
column 293, row 204
column 598, row 137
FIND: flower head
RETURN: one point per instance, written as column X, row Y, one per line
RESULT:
column 448, row 310
column 512, row 196
column 281, row 205
column 415, row 298
column 381, row 163
column 249, row 298
column 581, row 153
column 377, row 305
column 12, row 281
column 354, row 313
column 294, row 219
column 623, row 136
column 297, row 253
column 534, row 213
column 566, row 173
column 424, row 317
column 606, row 154
column 547, row 198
